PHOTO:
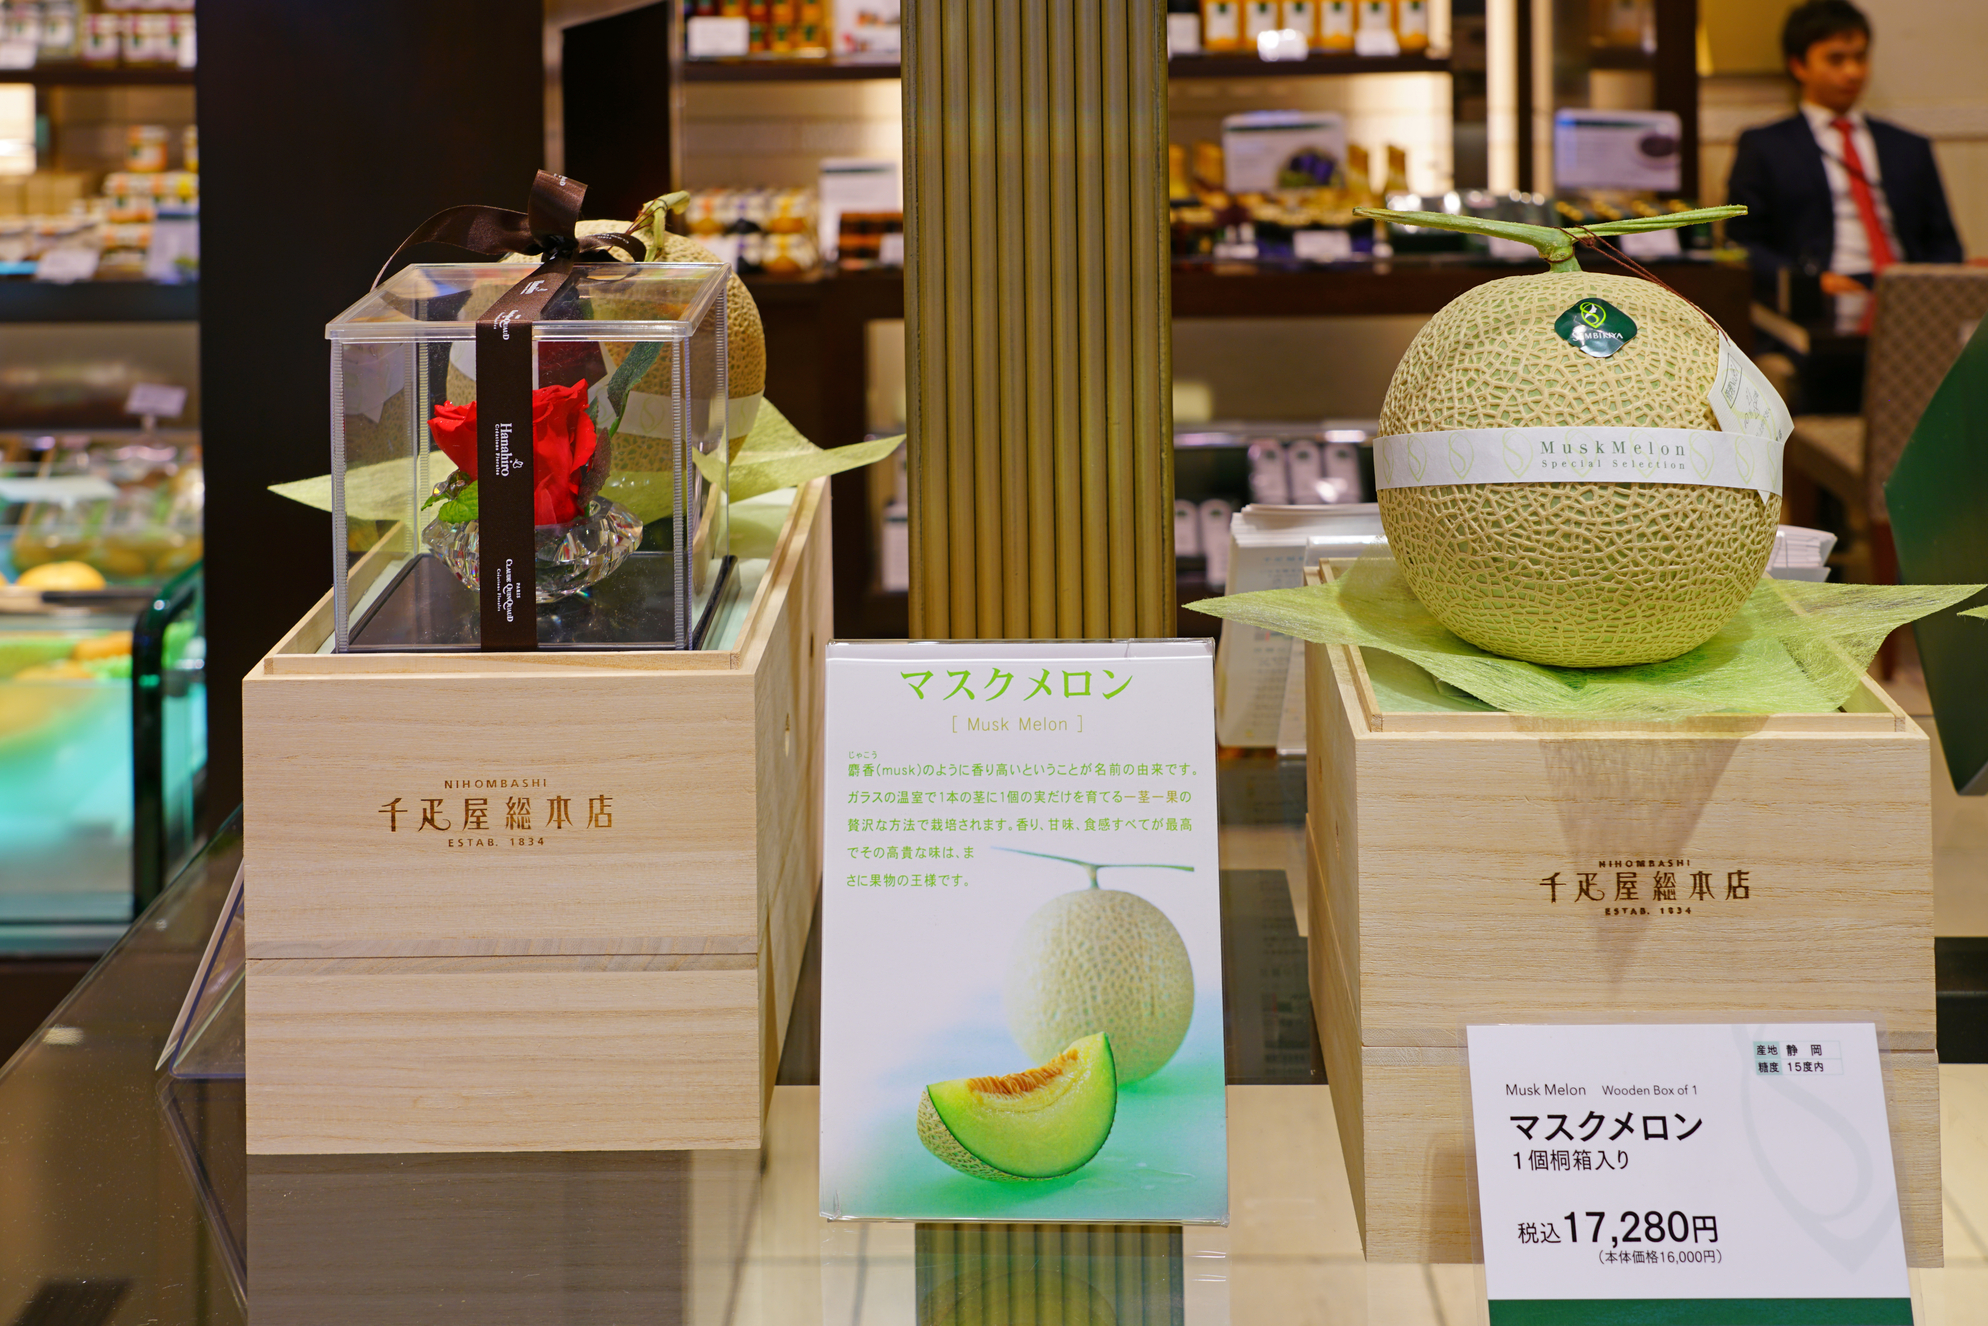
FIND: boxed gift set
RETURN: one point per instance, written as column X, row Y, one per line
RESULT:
column 1571, row 758
column 533, row 791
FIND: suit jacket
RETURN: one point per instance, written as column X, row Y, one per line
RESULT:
column 1791, row 218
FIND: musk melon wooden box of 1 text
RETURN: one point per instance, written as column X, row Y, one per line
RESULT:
column 1482, row 867
column 550, row 901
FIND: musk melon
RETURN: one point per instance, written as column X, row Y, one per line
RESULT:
column 1101, row 960
column 745, row 359
column 1041, row 1123
column 1569, row 574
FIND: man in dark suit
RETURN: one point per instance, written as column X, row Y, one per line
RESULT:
column 1830, row 192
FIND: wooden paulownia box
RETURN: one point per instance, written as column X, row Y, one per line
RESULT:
column 533, row 901
column 1477, row 867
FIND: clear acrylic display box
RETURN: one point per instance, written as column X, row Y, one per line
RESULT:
column 633, row 544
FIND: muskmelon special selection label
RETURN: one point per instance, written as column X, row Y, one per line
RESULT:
column 1021, row 934
column 1596, row 454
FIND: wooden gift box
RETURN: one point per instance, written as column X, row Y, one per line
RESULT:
column 617, row 976
column 1431, row 838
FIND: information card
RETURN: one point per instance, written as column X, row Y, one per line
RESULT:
column 1665, row 1175
column 1021, row 934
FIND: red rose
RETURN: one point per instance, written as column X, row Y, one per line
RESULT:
column 562, row 444
column 454, row 431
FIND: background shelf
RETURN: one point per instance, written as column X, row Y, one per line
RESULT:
column 798, row 70
column 98, row 301
column 91, row 76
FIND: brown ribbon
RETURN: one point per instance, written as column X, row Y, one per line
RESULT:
column 506, row 538
column 546, row 228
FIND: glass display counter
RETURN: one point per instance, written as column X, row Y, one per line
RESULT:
column 128, row 1196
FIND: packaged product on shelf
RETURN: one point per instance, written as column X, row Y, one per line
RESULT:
column 1624, row 24
column 190, row 148
column 759, row 25
column 148, row 39
column 866, row 27
column 1301, row 17
column 1221, row 25
column 781, row 15
column 1335, row 25
column 1183, row 27
column 184, row 50
column 1260, row 17
column 1266, row 150
column 103, row 39
column 811, row 34
column 61, row 33
column 20, row 26
column 867, row 240
column 1376, row 34
column 145, row 148
column 1412, row 24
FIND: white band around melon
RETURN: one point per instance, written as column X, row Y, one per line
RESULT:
column 1579, row 455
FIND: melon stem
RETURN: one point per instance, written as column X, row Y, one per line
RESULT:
column 1554, row 244
column 1091, row 868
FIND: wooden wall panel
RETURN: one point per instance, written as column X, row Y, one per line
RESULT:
column 1038, row 319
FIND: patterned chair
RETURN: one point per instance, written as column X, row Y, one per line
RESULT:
column 1925, row 314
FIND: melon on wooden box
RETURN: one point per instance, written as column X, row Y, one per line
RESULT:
column 1571, row 558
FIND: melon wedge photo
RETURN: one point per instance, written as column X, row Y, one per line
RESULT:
column 1037, row 1124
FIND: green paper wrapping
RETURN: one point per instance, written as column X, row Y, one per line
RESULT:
column 774, row 455
column 1794, row 647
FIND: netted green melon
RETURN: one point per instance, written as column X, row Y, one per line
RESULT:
column 1572, row 574
column 745, row 337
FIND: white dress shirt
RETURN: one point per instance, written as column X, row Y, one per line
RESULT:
column 1852, row 254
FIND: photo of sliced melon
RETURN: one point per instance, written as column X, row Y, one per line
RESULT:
column 1041, row 1123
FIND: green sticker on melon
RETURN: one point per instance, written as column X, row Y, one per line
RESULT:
column 1595, row 327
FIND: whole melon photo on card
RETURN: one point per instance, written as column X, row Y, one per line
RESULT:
column 1021, row 934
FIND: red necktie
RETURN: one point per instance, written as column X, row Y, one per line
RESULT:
column 1860, row 192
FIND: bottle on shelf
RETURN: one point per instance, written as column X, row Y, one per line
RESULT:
column 1376, row 33
column 1411, row 23
column 103, row 40
column 1259, row 17
column 1301, row 17
column 1221, row 25
column 20, row 25
column 61, row 33
column 1335, row 25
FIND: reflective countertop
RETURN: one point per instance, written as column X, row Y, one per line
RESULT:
column 126, row 1196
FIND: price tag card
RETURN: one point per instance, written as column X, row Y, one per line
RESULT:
column 1021, row 990
column 156, row 398
column 1677, row 1175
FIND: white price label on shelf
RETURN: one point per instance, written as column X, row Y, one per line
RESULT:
column 707, row 37
column 1321, row 245
column 67, row 264
column 155, row 398
column 1650, row 1173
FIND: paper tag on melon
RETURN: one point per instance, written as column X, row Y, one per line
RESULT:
column 1597, row 454
column 1745, row 402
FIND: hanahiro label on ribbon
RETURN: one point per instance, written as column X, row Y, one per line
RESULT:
column 1580, row 455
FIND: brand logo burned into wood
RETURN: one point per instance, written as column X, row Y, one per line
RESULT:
column 509, row 812
column 1648, row 886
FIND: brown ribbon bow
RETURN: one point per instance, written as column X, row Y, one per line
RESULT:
column 546, row 228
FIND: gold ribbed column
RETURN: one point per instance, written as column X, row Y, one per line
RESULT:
column 1038, row 318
